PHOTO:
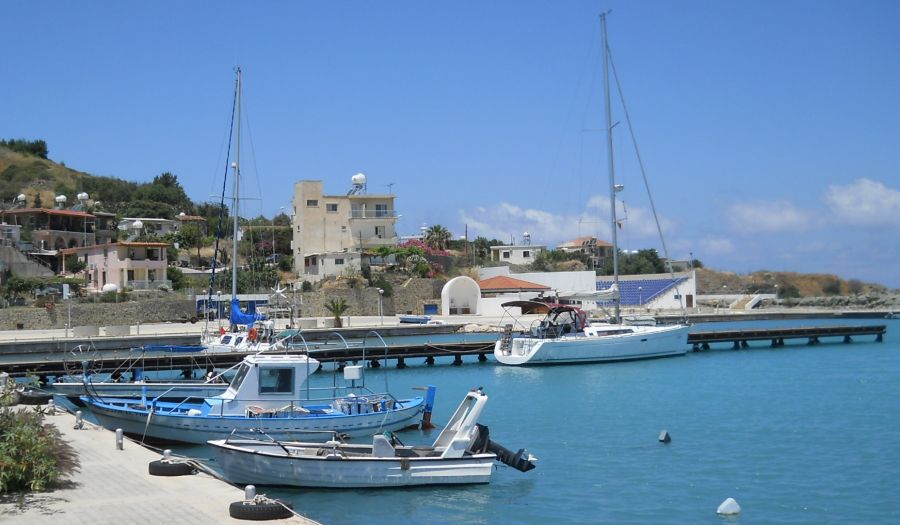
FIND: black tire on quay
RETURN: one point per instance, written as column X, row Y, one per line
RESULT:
column 242, row 510
column 162, row 468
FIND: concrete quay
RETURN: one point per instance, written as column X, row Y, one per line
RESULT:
column 113, row 487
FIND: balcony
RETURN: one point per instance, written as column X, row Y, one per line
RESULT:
column 373, row 214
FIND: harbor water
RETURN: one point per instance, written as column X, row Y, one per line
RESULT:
column 797, row 434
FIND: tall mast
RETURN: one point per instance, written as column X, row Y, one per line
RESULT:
column 609, row 155
column 234, row 197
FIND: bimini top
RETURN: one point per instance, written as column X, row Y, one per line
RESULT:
column 537, row 307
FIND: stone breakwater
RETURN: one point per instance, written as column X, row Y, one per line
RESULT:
column 95, row 314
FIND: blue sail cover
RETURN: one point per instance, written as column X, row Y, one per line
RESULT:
column 239, row 317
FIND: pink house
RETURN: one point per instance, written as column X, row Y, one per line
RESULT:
column 135, row 265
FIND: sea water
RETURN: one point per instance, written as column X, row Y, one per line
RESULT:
column 797, row 434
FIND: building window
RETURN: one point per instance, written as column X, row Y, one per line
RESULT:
column 379, row 232
column 526, row 254
column 505, row 255
column 381, row 210
column 331, row 208
column 312, row 203
column 338, row 262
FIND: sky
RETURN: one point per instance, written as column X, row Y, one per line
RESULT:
column 769, row 130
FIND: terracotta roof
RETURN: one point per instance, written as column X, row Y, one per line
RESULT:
column 502, row 282
column 581, row 241
column 70, row 213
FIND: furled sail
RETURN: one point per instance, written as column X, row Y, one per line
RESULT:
column 240, row 317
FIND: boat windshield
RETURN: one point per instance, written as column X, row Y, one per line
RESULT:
column 238, row 379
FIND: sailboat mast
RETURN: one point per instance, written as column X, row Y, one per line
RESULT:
column 609, row 155
column 234, row 197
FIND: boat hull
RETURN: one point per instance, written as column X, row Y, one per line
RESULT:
column 267, row 464
column 185, row 428
column 641, row 343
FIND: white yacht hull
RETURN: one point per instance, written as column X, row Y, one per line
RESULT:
column 637, row 343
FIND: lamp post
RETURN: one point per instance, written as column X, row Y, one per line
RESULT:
column 776, row 293
column 380, row 310
column 641, row 295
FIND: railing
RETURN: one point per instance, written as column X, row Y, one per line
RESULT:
column 150, row 285
column 373, row 214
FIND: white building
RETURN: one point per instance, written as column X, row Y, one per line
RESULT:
column 521, row 254
column 331, row 233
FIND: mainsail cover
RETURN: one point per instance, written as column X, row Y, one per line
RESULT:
column 240, row 317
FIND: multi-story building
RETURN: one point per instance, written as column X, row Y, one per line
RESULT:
column 332, row 233
column 135, row 265
column 593, row 247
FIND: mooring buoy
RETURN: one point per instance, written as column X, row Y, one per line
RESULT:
column 729, row 507
column 664, row 437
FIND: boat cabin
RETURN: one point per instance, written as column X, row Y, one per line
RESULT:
column 559, row 319
column 264, row 383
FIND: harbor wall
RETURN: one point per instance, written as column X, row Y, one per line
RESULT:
column 95, row 314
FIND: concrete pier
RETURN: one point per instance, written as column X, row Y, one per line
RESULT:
column 114, row 487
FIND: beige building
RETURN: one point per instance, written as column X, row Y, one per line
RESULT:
column 331, row 233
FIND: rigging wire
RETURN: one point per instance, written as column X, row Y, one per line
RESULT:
column 644, row 176
column 212, row 275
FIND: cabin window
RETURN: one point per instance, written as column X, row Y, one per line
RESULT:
column 276, row 380
column 238, row 378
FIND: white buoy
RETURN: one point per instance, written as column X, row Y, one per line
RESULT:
column 729, row 507
column 664, row 437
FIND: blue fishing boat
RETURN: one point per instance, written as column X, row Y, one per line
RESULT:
column 270, row 393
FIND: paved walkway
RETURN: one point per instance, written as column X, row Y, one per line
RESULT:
column 113, row 487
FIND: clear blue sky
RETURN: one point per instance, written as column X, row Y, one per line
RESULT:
column 770, row 130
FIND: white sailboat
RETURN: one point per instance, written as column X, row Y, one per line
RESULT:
column 247, row 332
column 565, row 335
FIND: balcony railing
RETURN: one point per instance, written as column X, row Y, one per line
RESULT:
column 150, row 285
column 373, row 214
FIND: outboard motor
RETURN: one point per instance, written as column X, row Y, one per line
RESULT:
column 521, row 460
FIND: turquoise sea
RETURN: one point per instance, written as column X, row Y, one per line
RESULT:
column 798, row 434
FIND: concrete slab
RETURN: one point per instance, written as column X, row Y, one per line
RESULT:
column 114, row 487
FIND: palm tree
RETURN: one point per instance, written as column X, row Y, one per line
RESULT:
column 438, row 237
column 337, row 308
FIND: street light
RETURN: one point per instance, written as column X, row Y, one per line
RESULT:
column 380, row 310
column 776, row 292
column 641, row 295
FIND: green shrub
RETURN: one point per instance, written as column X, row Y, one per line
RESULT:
column 33, row 456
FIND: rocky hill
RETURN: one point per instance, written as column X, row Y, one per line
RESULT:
column 788, row 284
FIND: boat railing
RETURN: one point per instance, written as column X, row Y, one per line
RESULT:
column 350, row 404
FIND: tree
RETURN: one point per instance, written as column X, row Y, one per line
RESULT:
column 438, row 237
column 190, row 236
column 337, row 307
column 176, row 276
column 74, row 264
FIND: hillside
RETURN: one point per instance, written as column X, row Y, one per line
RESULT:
column 789, row 284
column 38, row 178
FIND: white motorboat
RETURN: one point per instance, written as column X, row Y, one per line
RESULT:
column 565, row 336
column 270, row 393
column 462, row 453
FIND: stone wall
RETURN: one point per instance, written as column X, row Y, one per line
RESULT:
column 96, row 314
column 409, row 296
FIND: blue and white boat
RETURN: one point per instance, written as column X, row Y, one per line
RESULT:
column 270, row 393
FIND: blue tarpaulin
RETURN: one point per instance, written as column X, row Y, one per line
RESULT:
column 239, row 317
